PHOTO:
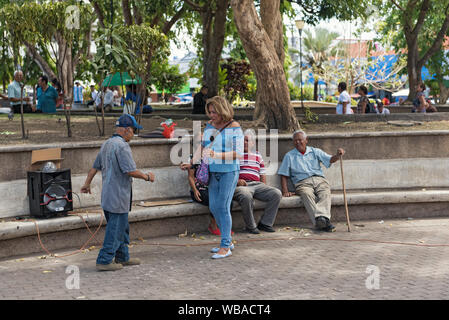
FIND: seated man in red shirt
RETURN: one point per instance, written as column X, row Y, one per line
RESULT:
column 252, row 184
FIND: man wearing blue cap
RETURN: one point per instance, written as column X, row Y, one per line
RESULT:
column 117, row 166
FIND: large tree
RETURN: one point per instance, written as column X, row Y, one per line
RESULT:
column 423, row 25
column 142, row 17
column 213, row 29
column 273, row 106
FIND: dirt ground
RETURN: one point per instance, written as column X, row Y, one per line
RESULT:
column 52, row 128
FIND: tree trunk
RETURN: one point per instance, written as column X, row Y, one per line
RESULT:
column 214, row 27
column 43, row 65
column 65, row 69
column 273, row 98
column 414, row 73
column 99, row 12
column 127, row 12
column 444, row 93
column 412, row 32
column 315, row 90
column 272, row 22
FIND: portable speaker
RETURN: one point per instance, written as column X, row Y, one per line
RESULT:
column 49, row 193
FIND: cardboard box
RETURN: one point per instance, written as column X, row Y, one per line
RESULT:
column 39, row 157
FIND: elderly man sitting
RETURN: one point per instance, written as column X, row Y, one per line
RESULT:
column 302, row 165
column 252, row 185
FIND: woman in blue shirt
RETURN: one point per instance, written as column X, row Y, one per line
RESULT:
column 223, row 146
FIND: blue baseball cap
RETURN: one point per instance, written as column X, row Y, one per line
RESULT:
column 127, row 120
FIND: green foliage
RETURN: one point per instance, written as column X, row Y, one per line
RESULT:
column 295, row 92
column 31, row 71
column 222, row 79
column 6, row 61
column 167, row 77
column 145, row 41
column 250, row 94
column 316, row 10
column 110, row 58
column 34, row 22
column 331, row 99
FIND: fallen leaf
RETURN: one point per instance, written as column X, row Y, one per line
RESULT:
column 182, row 235
column 202, row 238
column 306, row 234
column 43, row 257
column 47, row 271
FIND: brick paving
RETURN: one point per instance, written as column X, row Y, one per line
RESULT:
column 303, row 265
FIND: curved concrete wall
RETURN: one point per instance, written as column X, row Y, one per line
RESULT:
column 153, row 153
column 171, row 182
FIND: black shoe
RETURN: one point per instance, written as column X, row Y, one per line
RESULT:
column 329, row 228
column 320, row 223
column 265, row 228
column 253, row 231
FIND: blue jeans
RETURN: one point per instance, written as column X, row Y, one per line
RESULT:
column 116, row 239
column 221, row 190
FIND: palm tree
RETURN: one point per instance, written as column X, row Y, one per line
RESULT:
column 319, row 48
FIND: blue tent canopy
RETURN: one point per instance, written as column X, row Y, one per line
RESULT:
column 382, row 70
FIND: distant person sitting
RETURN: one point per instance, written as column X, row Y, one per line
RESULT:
column 430, row 107
column 252, row 185
column 60, row 101
column 363, row 104
column 108, row 102
column 48, row 97
column 420, row 103
column 117, row 96
column 381, row 109
column 93, row 95
column 77, row 93
column 199, row 101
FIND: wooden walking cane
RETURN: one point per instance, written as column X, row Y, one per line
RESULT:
column 344, row 193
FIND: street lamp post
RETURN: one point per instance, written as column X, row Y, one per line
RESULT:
column 300, row 26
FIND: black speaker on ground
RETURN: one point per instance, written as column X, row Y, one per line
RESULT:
column 49, row 193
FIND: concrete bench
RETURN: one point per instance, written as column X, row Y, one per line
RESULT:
column 376, row 189
column 171, row 182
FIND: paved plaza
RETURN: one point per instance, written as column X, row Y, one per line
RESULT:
column 393, row 259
